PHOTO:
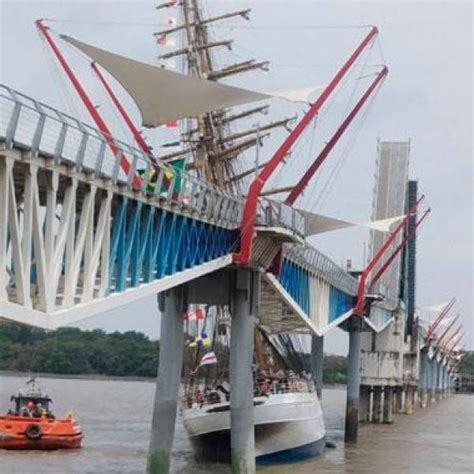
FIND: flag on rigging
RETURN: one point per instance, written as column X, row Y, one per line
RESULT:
column 202, row 341
column 171, row 124
column 208, row 359
column 196, row 315
column 161, row 39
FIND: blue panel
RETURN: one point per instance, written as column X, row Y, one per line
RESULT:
column 149, row 243
column 295, row 280
column 339, row 303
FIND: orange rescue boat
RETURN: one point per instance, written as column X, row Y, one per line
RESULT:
column 32, row 425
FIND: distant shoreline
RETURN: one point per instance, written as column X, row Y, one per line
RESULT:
column 123, row 378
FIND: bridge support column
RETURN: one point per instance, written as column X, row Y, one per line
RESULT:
column 353, row 381
column 244, row 311
column 439, row 370
column 377, row 404
column 364, row 413
column 317, row 359
column 172, row 305
column 409, row 395
column 400, row 405
column 445, row 381
column 433, row 379
column 388, row 405
column 441, row 381
column 423, row 387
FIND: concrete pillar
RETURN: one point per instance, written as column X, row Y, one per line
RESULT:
column 439, row 369
column 388, row 405
column 364, row 404
column 317, row 359
column 244, row 312
column 353, row 381
column 409, row 400
column 422, row 384
column 394, row 399
column 172, row 305
column 400, row 407
column 439, row 383
column 445, row 380
column 377, row 404
column 423, row 387
column 428, row 379
column 433, row 379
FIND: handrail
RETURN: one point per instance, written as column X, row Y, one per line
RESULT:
column 315, row 261
column 66, row 140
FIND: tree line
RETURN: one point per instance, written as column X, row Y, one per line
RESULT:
column 72, row 351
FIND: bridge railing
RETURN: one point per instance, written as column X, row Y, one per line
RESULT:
column 315, row 261
column 36, row 127
column 41, row 129
column 277, row 214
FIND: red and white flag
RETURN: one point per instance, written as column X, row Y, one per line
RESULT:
column 161, row 39
column 196, row 315
column 171, row 124
column 208, row 359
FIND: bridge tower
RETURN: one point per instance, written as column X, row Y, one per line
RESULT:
column 390, row 352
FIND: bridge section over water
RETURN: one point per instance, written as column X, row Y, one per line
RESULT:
column 81, row 237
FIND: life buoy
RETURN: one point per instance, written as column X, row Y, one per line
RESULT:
column 33, row 431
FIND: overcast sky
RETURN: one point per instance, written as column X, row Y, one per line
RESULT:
column 427, row 98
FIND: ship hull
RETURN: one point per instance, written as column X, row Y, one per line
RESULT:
column 288, row 427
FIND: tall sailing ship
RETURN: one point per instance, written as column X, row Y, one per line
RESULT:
column 288, row 419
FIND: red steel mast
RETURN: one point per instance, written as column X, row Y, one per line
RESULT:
column 359, row 308
column 248, row 219
column 303, row 182
column 135, row 132
column 438, row 320
column 136, row 181
column 405, row 240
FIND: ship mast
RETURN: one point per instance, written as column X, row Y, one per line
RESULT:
column 214, row 144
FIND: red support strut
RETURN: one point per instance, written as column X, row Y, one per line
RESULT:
column 303, row 182
column 248, row 219
column 446, row 331
column 451, row 338
column 135, row 132
column 136, row 181
column 438, row 320
column 359, row 308
column 405, row 240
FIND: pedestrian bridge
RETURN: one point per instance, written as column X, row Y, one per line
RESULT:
column 80, row 235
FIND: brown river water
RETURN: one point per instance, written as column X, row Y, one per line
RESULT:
column 115, row 416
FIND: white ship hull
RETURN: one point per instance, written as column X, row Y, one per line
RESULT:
column 288, row 427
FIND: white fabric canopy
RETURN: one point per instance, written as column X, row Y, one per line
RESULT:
column 318, row 224
column 437, row 308
column 163, row 95
column 303, row 94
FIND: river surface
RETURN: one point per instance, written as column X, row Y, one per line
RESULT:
column 115, row 417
